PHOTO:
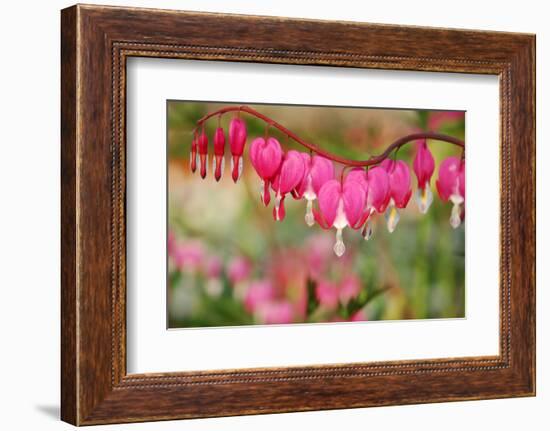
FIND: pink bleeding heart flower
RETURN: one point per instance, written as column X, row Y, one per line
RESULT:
column 423, row 166
column 319, row 170
column 378, row 196
column 219, row 150
column 400, row 189
column 290, row 174
column 193, row 155
column 378, row 189
column 451, row 186
column 237, row 140
column 266, row 157
column 359, row 175
column 341, row 206
column 203, row 153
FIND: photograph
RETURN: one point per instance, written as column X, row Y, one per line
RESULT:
column 297, row 214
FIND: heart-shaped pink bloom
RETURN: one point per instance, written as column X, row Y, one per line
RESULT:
column 448, row 182
column 400, row 189
column 451, row 186
column 319, row 170
column 266, row 157
column 423, row 164
column 203, row 153
column 359, row 175
column 377, row 183
column 354, row 197
column 378, row 195
column 237, row 140
column 400, row 181
column 341, row 206
column 290, row 174
column 219, row 151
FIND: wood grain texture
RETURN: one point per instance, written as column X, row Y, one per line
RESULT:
column 96, row 41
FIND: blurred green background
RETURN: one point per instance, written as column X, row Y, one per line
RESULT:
column 230, row 263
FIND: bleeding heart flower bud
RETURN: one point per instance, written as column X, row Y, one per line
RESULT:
column 219, row 150
column 237, row 140
column 266, row 157
column 193, row 155
column 290, row 174
column 451, row 186
column 319, row 170
column 423, row 166
column 400, row 189
column 203, row 153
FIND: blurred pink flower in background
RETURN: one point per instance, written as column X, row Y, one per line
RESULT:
column 437, row 119
column 275, row 312
column 213, row 266
column 318, row 251
column 349, row 288
column 258, row 293
column 289, row 277
column 171, row 243
column 188, row 255
column 238, row 269
column 330, row 294
column 359, row 316
column 327, row 294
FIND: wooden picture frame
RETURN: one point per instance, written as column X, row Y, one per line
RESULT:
column 96, row 41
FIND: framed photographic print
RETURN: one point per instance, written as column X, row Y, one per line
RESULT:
column 278, row 207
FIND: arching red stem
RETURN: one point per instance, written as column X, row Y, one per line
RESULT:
column 347, row 162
